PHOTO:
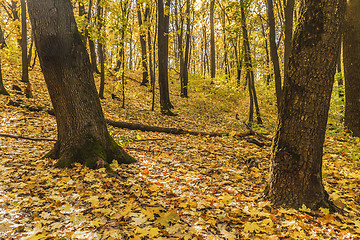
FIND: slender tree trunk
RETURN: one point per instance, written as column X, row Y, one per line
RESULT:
column 25, row 64
column 142, row 35
column 92, row 44
column 296, row 163
column 100, row 14
column 289, row 19
column 273, row 51
column 352, row 67
column 151, row 70
column 185, row 65
column 82, row 13
column 212, row 41
column 82, row 133
column 2, row 45
column 238, row 57
column 250, row 72
column 163, row 54
column 340, row 79
column 266, row 46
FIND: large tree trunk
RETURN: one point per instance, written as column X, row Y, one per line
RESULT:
column 296, row 164
column 212, row 40
column 273, row 51
column 82, row 133
column 352, row 67
column 163, row 53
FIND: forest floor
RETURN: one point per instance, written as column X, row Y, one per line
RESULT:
column 182, row 187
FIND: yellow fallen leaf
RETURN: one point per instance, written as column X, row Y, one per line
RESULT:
column 251, row 227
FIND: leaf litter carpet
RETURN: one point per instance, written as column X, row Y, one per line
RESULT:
column 182, row 187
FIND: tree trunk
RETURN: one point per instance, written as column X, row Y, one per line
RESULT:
column 25, row 64
column 142, row 35
column 250, row 72
column 185, row 66
column 296, row 163
column 273, row 51
column 212, row 40
column 2, row 88
column 82, row 133
column 163, row 54
column 92, row 44
column 82, row 13
column 289, row 19
column 2, row 45
column 352, row 67
column 101, row 39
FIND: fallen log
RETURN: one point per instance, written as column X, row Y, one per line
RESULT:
column 143, row 127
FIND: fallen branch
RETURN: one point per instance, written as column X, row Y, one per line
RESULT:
column 143, row 127
column 24, row 137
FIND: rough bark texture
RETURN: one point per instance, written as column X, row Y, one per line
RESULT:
column 296, row 165
column 82, row 132
column 352, row 67
column 163, row 53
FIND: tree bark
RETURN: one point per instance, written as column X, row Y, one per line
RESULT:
column 82, row 133
column 352, row 67
column 296, row 163
column 212, row 41
column 273, row 51
column 92, row 44
column 163, row 54
column 289, row 19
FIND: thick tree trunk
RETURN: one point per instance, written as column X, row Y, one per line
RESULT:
column 82, row 132
column 273, row 51
column 352, row 67
column 296, row 164
column 163, row 53
column 212, row 41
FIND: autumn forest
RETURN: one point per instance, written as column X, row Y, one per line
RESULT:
column 179, row 119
